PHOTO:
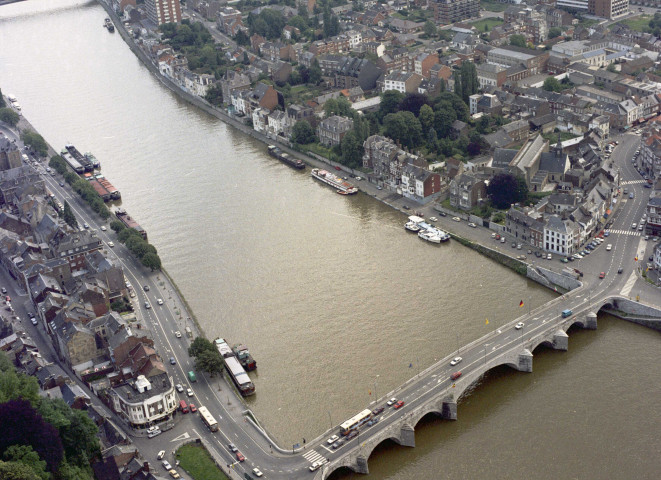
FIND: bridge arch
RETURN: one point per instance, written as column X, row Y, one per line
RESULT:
column 415, row 419
column 545, row 342
column 369, row 447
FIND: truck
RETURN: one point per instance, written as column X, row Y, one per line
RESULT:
column 191, row 376
column 566, row 313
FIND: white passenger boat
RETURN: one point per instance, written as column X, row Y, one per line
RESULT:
column 429, row 236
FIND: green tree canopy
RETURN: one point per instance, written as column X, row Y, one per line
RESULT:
column 426, row 117
column 27, row 456
column 13, row 385
column 403, row 127
column 413, row 102
column 551, row 84
column 199, row 345
column 151, row 261
column 17, row 471
column 209, row 361
column 269, row 23
column 9, row 116
column 430, row 28
column 505, row 189
column 390, row 100
column 302, row 133
column 68, row 215
column 555, row 32
column 214, row 95
column 352, row 150
column 517, row 40
column 339, row 106
column 3, row 104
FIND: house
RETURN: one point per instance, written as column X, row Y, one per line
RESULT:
column 419, row 184
column 405, row 82
column 467, row 191
column 331, row 130
column 277, row 124
column 143, row 401
column 525, row 225
column 559, row 236
column 423, row 62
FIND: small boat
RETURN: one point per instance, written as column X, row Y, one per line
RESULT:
column 429, row 236
column 109, row 25
column 412, row 227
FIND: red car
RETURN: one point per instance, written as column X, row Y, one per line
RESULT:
column 399, row 404
column 602, row 275
column 455, row 375
column 337, row 168
column 193, row 408
column 240, row 457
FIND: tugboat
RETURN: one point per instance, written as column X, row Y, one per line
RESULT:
column 109, row 25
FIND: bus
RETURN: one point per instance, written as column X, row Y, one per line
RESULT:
column 208, row 419
column 355, row 422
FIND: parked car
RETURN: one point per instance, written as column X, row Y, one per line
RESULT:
column 549, row 257
column 173, row 473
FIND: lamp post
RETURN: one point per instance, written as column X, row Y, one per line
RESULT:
column 329, row 419
column 376, row 397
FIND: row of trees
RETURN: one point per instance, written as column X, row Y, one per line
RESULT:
column 42, row 438
column 9, row 116
column 138, row 246
column 80, row 186
column 35, row 141
column 197, row 45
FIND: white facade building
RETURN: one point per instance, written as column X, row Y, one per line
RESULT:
column 143, row 401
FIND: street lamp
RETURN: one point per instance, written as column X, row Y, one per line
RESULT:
column 329, row 419
column 376, row 397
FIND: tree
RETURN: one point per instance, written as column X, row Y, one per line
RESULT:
column 315, row 72
column 518, row 40
column 20, row 424
column 554, row 32
column 413, row 102
column 426, row 117
column 443, row 120
column 430, row 29
column 8, row 116
column 117, row 226
column 469, row 81
column 339, row 106
column 458, row 87
column 214, row 95
column 27, row 456
column 13, row 385
column 36, row 142
column 390, row 100
column 241, row 38
column 68, row 216
column 611, row 68
column 209, row 361
column 505, row 189
column 352, row 150
column 302, row 133
column 403, row 127
column 551, row 84
column 3, row 104
column 151, row 261
column 199, row 345
column 17, row 471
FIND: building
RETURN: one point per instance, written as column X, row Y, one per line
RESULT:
column 491, row 75
column 653, row 225
column 533, row 60
column 163, row 11
column 608, row 8
column 331, row 130
column 419, row 184
column 650, row 152
column 405, row 82
column 559, row 236
column 451, row 11
column 467, row 191
column 144, row 400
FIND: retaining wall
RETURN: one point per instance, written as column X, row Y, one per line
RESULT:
column 552, row 279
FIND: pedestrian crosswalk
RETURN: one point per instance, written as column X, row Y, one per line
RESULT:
column 633, row 233
column 313, row 456
column 632, row 182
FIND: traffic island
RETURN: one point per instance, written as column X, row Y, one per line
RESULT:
column 195, row 459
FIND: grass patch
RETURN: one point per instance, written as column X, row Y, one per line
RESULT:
column 494, row 6
column 639, row 23
column 553, row 136
column 489, row 22
column 195, row 459
column 318, row 149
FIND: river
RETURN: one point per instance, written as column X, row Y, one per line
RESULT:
column 337, row 303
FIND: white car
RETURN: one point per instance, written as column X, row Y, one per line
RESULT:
column 472, row 225
column 332, row 440
column 456, row 219
column 160, row 455
column 519, row 326
column 391, row 402
column 189, row 392
column 455, row 361
column 257, row 472
column 177, row 334
column 433, row 219
column 159, row 301
column 549, row 257
column 179, row 387
column 111, row 244
column 103, row 228
column 154, row 433
column 147, row 305
column 34, row 321
column 166, row 465
column 315, row 466
column 609, row 247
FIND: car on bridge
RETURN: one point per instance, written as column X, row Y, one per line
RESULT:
column 391, row 402
column 332, row 440
column 455, row 361
column 352, row 434
column 338, row 444
column 519, row 326
column 399, row 404
column 455, row 375
column 377, row 411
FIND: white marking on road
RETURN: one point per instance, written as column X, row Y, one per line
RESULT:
column 626, row 290
column 183, row 436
